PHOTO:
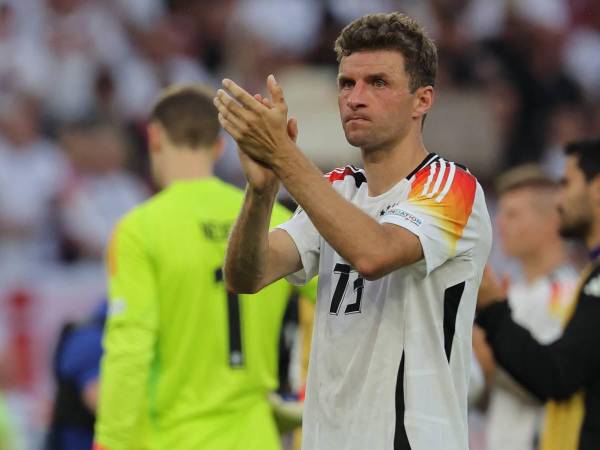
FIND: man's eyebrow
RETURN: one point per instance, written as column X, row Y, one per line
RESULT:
column 371, row 76
column 377, row 75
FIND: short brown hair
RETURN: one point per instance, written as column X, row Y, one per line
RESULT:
column 392, row 31
column 524, row 176
column 188, row 115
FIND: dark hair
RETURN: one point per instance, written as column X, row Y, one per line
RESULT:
column 588, row 156
column 392, row 31
column 188, row 115
column 524, row 176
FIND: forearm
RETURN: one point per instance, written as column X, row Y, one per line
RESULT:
column 356, row 236
column 547, row 371
column 246, row 260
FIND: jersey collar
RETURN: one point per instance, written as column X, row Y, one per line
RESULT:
column 429, row 158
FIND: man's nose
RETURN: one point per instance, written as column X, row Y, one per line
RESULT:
column 356, row 98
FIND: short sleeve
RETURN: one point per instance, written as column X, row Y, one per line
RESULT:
column 437, row 210
column 307, row 240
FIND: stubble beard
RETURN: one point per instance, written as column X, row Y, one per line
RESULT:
column 575, row 229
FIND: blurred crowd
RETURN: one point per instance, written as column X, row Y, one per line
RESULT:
column 517, row 80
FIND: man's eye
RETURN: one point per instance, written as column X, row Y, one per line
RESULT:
column 379, row 83
column 346, row 84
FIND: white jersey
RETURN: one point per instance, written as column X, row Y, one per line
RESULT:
column 515, row 416
column 390, row 358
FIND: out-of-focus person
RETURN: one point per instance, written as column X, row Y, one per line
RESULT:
column 187, row 365
column 77, row 369
column 528, row 223
column 22, row 62
column 79, row 38
column 101, row 190
column 33, row 173
column 567, row 370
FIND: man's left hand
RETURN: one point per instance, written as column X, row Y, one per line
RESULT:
column 491, row 289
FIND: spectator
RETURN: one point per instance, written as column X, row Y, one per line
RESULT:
column 80, row 36
column 77, row 369
column 22, row 63
column 567, row 370
column 32, row 178
column 102, row 190
column 528, row 224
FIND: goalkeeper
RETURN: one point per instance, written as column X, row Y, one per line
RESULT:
column 187, row 365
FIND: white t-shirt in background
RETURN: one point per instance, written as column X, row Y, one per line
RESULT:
column 514, row 416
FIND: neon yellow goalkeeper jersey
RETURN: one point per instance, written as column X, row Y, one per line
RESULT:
column 186, row 365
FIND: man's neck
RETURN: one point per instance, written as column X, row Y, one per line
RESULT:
column 387, row 166
column 187, row 166
column 551, row 256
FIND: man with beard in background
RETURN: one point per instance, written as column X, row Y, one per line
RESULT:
column 566, row 371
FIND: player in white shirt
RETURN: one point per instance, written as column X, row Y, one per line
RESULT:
column 528, row 223
column 399, row 247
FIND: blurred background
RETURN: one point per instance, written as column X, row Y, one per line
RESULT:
column 517, row 80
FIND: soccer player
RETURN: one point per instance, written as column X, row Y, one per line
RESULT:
column 528, row 224
column 568, row 369
column 187, row 365
column 399, row 247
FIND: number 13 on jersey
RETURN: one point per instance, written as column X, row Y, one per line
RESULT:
column 344, row 271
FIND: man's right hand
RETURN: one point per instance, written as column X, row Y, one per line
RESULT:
column 260, row 177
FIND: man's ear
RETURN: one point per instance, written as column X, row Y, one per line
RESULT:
column 218, row 148
column 423, row 101
column 155, row 133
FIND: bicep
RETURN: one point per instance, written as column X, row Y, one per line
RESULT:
column 283, row 257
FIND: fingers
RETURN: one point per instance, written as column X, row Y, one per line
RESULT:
column 276, row 92
column 263, row 100
column 506, row 280
column 230, row 127
column 505, row 284
column 229, row 120
column 245, row 99
column 226, row 105
column 292, row 128
column 489, row 274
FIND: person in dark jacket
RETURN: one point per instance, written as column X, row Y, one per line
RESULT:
column 567, row 371
column 77, row 369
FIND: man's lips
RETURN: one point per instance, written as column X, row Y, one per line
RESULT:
column 356, row 119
